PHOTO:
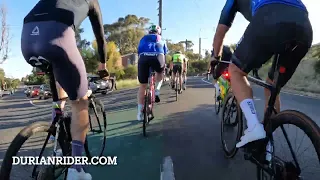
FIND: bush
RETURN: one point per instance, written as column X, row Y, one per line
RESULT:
column 317, row 66
column 119, row 73
column 199, row 66
column 130, row 72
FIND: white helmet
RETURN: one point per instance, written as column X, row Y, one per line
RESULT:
column 154, row 29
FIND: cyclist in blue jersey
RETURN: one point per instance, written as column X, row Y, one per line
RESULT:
column 152, row 50
column 273, row 23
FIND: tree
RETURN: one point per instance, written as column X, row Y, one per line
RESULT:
column 126, row 32
column 188, row 45
column 174, row 47
column 113, row 55
column 2, row 75
column 4, row 34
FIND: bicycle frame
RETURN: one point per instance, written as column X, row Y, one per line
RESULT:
column 55, row 125
column 275, row 90
column 151, row 88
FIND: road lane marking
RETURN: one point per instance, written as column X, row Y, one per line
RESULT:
column 166, row 169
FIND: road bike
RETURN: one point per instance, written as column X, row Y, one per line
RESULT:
column 177, row 84
column 149, row 100
column 256, row 152
column 59, row 128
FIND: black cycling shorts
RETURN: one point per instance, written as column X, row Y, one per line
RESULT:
column 145, row 62
column 56, row 42
column 177, row 68
column 272, row 27
column 219, row 69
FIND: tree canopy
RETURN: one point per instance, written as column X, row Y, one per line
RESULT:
column 126, row 32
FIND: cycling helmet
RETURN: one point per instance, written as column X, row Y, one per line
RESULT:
column 154, row 29
column 178, row 52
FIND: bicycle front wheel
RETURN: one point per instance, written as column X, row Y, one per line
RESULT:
column 231, row 110
column 292, row 169
column 31, row 138
column 97, row 134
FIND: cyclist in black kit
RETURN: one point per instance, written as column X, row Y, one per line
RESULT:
column 217, row 68
column 273, row 24
column 49, row 32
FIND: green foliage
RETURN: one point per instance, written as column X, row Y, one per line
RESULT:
column 126, row 32
column 131, row 72
column 199, row 66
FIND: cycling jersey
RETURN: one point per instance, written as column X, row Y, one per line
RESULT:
column 178, row 58
column 248, row 8
column 153, row 44
column 71, row 13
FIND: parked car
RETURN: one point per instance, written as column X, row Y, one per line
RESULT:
column 96, row 84
column 45, row 92
column 32, row 91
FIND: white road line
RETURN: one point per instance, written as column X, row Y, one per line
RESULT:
column 206, row 81
column 166, row 169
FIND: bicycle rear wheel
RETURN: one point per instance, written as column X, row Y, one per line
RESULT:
column 231, row 108
column 145, row 112
column 97, row 133
column 310, row 128
column 16, row 149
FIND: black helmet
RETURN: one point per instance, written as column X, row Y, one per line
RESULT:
column 178, row 52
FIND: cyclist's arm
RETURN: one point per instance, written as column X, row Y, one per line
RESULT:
column 165, row 49
column 227, row 16
column 140, row 47
column 97, row 26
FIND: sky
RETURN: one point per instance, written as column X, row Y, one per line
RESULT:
column 182, row 19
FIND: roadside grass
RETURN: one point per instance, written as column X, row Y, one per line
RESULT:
column 304, row 79
column 127, row 83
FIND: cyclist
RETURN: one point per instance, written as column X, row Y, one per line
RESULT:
column 217, row 68
column 273, row 23
column 178, row 63
column 49, row 31
column 152, row 50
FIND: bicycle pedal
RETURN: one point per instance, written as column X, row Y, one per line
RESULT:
column 255, row 150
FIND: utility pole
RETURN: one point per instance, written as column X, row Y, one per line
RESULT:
column 160, row 13
column 199, row 48
column 186, row 45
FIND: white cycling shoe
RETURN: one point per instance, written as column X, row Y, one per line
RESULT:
column 73, row 174
column 256, row 133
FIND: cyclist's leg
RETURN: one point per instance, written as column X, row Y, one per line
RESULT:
column 59, row 46
column 180, row 76
column 174, row 72
column 291, row 61
column 158, row 66
column 143, row 75
column 250, row 53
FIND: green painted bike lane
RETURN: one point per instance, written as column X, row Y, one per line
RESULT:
column 138, row 157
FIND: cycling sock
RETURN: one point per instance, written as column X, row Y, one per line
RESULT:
column 158, row 85
column 140, row 108
column 250, row 113
column 77, row 148
column 157, row 92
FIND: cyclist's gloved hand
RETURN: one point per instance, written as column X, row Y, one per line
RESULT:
column 102, row 71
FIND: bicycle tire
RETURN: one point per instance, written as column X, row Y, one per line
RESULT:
column 98, row 105
column 17, row 143
column 300, row 120
column 145, row 113
column 216, row 107
column 239, row 120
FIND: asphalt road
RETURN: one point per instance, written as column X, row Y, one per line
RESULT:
column 187, row 131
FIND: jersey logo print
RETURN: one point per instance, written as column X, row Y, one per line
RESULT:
column 35, row 31
column 152, row 46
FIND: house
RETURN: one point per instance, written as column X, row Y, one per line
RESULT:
column 129, row 59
